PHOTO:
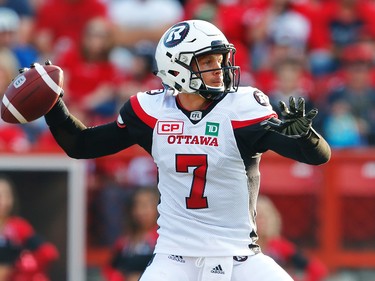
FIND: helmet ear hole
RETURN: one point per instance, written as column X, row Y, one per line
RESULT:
column 173, row 73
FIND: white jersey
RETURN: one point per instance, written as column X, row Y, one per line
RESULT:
column 204, row 208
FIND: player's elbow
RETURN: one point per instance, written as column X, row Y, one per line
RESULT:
column 320, row 161
column 326, row 155
column 321, row 157
column 73, row 154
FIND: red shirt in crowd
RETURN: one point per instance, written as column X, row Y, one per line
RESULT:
column 26, row 252
column 67, row 18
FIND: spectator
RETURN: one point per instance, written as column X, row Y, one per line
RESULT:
column 319, row 44
column 23, row 8
column 59, row 24
column 139, row 76
column 24, row 255
column 134, row 249
column 350, row 21
column 357, row 90
column 137, row 21
column 290, row 78
column 15, row 55
column 201, row 9
column 341, row 128
column 8, row 70
column 276, row 25
column 120, row 179
column 339, row 24
column 12, row 137
column 269, row 227
column 9, row 24
column 94, row 87
column 22, row 39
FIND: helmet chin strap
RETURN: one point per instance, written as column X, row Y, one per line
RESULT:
column 207, row 95
column 212, row 93
column 207, row 92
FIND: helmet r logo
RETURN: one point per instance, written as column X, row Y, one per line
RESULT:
column 176, row 34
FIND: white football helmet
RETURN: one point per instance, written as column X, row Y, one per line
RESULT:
column 181, row 44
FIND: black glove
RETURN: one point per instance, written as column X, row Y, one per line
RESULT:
column 295, row 123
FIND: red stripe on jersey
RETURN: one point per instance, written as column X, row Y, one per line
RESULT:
column 245, row 123
column 122, row 126
column 120, row 122
column 147, row 119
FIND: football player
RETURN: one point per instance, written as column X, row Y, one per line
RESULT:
column 206, row 135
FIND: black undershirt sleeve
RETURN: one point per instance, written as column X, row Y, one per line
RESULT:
column 312, row 149
column 81, row 142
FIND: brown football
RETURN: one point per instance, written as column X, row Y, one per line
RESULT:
column 32, row 93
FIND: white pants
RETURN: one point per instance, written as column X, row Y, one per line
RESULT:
column 258, row 267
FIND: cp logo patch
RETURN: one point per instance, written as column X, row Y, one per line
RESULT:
column 176, row 34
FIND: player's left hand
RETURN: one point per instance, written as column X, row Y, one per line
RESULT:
column 295, row 123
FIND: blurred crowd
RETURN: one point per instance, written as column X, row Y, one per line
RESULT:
column 25, row 255
column 321, row 50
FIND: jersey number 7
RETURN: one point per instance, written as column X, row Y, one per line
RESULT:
column 196, row 200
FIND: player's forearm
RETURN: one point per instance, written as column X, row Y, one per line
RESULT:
column 315, row 148
column 81, row 142
column 311, row 149
column 65, row 128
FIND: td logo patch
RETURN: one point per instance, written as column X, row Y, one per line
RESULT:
column 176, row 34
column 212, row 129
column 261, row 98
